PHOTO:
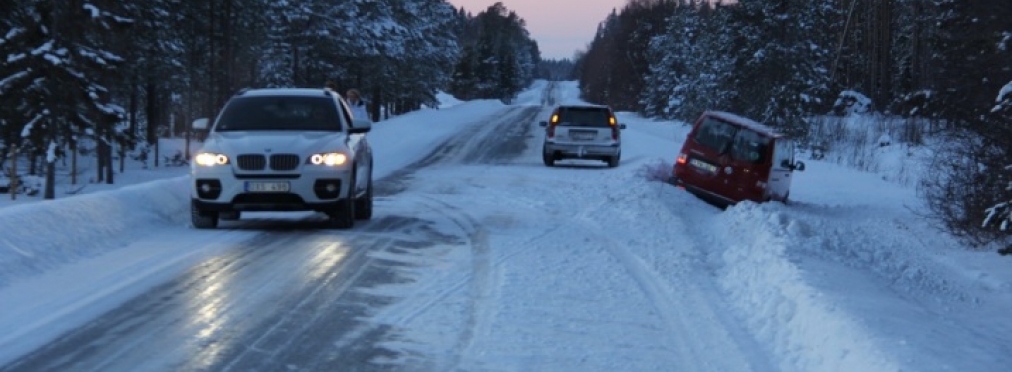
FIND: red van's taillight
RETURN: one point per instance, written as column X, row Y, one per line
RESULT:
column 679, row 161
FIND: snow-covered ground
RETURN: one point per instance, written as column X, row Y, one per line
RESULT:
column 849, row 277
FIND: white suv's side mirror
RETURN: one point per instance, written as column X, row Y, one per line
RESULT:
column 200, row 124
column 360, row 126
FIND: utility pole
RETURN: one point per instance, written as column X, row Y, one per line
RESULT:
column 843, row 39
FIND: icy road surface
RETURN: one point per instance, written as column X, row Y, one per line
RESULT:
column 476, row 243
column 480, row 258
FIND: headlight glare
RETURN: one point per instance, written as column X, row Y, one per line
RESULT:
column 209, row 159
column 329, row 159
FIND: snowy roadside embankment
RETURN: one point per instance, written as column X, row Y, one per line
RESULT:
column 768, row 288
column 84, row 226
column 41, row 236
column 754, row 250
column 851, row 276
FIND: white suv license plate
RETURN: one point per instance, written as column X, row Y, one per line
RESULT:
column 255, row 186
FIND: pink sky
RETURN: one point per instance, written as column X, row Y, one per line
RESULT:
column 561, row 27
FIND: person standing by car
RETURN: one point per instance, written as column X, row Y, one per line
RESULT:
column 358, row 108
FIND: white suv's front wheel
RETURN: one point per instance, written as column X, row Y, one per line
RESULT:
column 202, row 219
column 363, row 205
column 343, row 217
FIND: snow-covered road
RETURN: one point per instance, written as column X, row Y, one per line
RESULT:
column 479, row 258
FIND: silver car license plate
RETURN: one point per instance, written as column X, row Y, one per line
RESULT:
column 260, row 186
column 582, row 135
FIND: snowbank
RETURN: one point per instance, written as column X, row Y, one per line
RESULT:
column 767, row 287
column 85, row 225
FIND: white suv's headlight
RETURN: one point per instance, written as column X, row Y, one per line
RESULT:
column 329, row 158
column 210, row 159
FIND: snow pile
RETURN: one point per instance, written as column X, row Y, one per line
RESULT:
column 851, row 102
column 767, row 287
column 84, row 226
column 447, row 100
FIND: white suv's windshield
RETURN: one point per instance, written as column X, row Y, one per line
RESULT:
column 279, row 113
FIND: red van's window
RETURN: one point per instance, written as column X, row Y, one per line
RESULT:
column 715, row 134
column 750, row 146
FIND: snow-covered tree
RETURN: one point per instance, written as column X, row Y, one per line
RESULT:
column 970, row 190
column 688, row 64
column 67, row 69
column 764, row 59
column 396, row 52
column 498, row 57
column 781, row 59
column 432, row 50
column 15, row 75
column 1000, row 214
column 618, row 60
column 153, row 70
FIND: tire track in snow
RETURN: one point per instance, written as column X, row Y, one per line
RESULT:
column 497, row 141
column 686, row 296
column 482, row 283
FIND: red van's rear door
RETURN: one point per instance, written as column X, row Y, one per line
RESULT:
column 780, row 172
column 749, row 166
column 706, row 151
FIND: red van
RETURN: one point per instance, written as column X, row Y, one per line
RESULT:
column 727, row 158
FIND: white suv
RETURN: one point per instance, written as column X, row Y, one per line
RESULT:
column 289, row 149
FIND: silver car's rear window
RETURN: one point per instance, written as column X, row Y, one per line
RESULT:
column 584, row 116
column 260, row 113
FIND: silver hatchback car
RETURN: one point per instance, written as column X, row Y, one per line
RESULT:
column 582, row 132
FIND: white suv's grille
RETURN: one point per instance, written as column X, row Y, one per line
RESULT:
column 251, row 162
column 256, row 162
column 284, row 162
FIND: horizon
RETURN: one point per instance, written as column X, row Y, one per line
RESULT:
column 556, row 39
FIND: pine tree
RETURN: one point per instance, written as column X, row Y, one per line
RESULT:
column 16, row 75
column 68, row 96
column 498, row 59
column 1000, row 213
column 781, row 53
column 674, row 65
column 971, row 181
